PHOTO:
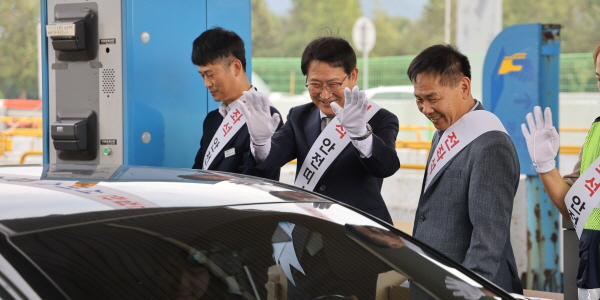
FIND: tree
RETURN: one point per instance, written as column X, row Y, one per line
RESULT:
column 310, row 19
column 18, row 47
column 392, row 34
column 265, row 30
column 579, row 20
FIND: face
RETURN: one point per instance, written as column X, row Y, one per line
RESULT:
column 598, row 71
column 320, row 72
column 442, row 105
column 220, row 80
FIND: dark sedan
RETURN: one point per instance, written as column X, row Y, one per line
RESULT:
column 127, row 232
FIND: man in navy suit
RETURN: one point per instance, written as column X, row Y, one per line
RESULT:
column 344, row 143
column 221, row 60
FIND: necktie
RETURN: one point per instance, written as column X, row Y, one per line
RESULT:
column 324, row 122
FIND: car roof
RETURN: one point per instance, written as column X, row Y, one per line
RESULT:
column 35, row 191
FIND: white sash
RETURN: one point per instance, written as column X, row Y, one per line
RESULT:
column 326, row 148
column 458, row 136
column 582, row 198
column 233, row 121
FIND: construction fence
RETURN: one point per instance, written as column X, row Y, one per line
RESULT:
column 283, row 74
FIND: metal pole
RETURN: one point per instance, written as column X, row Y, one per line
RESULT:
column 365, row 58
column 447, row 21
column 366, row 70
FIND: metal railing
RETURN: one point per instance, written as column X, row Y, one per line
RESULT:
column 416, row 144
column 420, row 144
column 34, row 129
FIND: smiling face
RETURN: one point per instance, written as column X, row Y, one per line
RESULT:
column 441, row 104
column 320, row 72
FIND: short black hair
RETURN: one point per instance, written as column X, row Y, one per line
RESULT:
column 218, row 44
column 334, row 50
column 443, row 60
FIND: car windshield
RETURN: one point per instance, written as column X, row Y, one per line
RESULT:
column 231, row 253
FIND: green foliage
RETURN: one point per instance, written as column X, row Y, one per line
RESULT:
column 18, row 47
column 579, row 20
column 402, row 36
column 309, row 19
column 265, row 27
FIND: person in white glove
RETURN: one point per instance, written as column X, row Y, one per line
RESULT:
column 543, row 145
column 542, row 139
column 367, row 153
column 261, row 123
column 225, row 143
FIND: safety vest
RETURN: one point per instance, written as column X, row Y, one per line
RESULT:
column 591, row 151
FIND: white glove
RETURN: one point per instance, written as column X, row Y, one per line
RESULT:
column 542, row 139
column 462, row 289
column 353, row 116
column 261, row 124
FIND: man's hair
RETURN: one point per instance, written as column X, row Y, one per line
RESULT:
column 218, row 44
column 443, row 60
column 596, row 53
column 333, row 50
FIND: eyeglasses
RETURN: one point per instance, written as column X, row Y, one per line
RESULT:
column 332, row 87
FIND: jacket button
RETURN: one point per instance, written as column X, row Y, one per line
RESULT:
column 422, row 218
column 322, row 188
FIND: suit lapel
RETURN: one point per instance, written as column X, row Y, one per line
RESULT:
column 435, row 141
column 312, row 131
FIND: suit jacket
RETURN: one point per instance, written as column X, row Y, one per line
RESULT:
column 350, row 179
column 240, row 141
column 466, row 211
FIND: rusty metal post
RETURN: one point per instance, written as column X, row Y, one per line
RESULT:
column 543, row 218
column 543, row 247
column 521, row 71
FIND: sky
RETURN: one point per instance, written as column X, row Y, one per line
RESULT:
column 407, row 8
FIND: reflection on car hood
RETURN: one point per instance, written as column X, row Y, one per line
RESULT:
column 32, row 191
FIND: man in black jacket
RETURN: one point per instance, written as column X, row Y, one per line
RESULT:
column 221, row 60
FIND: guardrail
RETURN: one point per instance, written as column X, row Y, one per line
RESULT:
column 420, row 144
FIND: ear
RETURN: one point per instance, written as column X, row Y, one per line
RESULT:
column 236, row 67
column 354, row 76
column 465, row 87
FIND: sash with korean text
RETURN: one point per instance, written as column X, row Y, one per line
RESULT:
column 326, row 148
column 458, row 136
column 233, row 121
column 582, row 197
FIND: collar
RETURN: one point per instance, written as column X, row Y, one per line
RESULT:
column 477, row 103
column 474, row 106
column 224, row 108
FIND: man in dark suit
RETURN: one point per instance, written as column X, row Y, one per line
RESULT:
column 345, row 157
column 221, row 60
column 472, row 173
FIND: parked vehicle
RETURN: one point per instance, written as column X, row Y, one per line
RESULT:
column 129, row 232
